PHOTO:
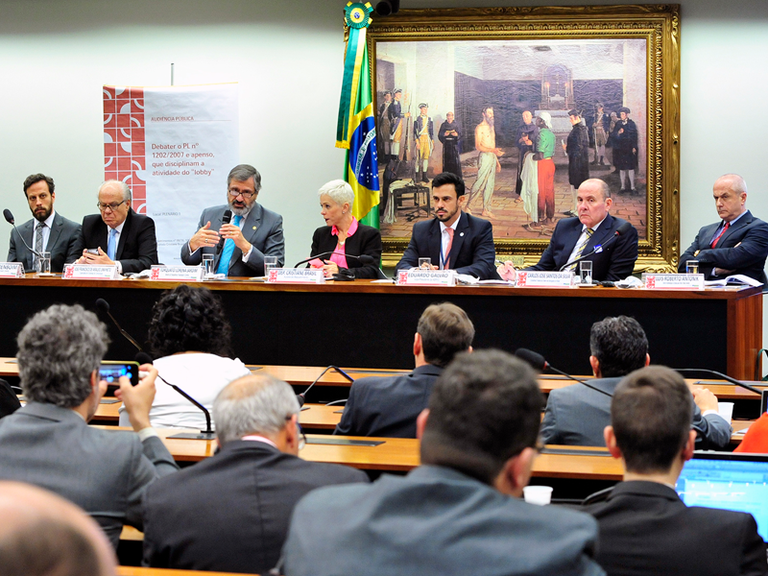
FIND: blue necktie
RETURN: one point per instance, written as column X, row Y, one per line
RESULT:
column 229, row 248
column 112, row 244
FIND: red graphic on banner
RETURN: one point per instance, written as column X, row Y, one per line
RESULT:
column 124, row 147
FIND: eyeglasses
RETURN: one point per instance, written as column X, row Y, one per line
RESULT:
column 114, row 206
column 246, row 194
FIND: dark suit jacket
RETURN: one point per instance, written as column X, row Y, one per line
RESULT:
column 137, row 248
column 230, row 512
column 61, row 244
column 9, row 402
column 576, row 415
column 387, row 406
column 615, row 262
column 262, row 228
column 472, row 251
column 104, row 472
column 365, row 240
column 646, row 529
column 743, row 249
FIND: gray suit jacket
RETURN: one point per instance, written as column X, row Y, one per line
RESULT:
column 263, row 228
column 434, row 521
column 577, row 416
column 61, row 243
column 104, row 472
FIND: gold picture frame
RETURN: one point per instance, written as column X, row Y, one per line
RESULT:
column 546, row 59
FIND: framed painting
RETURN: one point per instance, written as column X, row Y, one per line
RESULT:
column 525, row 103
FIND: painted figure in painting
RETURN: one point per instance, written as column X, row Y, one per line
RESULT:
column 599, row 130
column 545, row 150
column 487, row 162
column 527, row 134
column 577, row 150
column 384, row 143
column 396, row 126
column 450, row 135
column 625, row 149
column 423, row 134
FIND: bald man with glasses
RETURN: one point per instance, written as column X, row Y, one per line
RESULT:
column 239, row 246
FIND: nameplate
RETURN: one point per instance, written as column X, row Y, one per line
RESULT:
column 540, row 279
column 90, row 272
column 296, row 275
column 11, row 270
column 674, row 281
column 426, row 277
column 177, row 273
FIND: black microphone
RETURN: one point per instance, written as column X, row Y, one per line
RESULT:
column 103, row 307
column 316, row 256
column 727, row 378
column 9, row 218
column 208, row 433
column 623, row 229
column 225, row 219
column 537, row 362
column 302, row 397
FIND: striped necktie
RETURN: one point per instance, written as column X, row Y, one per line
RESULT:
column 38, row 240
column 583, row 244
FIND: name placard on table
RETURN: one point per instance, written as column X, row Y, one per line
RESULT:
column 11, row 270
column 190, row 273
column 674, row 281
column 90, row 272
column 419, row 277
column 540, row 279
column 296, row 275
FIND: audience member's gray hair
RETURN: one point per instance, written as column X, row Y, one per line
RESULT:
column 256, row 404
column 242, row 172
column 338, row 191
column 59, row 349
column 120, row 184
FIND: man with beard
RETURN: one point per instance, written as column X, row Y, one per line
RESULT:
column 624, row 138
column 487, row 162
column 48, row 231
column 239, row 247
column 577, row 150
column 527, row 134
column 450, row 135
column 455, row 240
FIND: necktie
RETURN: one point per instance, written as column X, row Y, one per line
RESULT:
column 112, row 244
column 722, row 231
column 39, row 239
column 583, row 244
column 447, row 259
column 229, row 249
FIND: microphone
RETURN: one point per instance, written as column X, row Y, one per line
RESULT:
column 363, row 259
column 102, row 306
column 225, row 219
column 623, row 229
column 9, row 218
column 302, row 397
column 537, row 362
column 321, row 255
column 207, row 434
column 763, row 393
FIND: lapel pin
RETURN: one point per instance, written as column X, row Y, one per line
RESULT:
column 461, row 234
column 254, row 227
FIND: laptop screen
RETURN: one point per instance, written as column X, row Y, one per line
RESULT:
column 729, row 481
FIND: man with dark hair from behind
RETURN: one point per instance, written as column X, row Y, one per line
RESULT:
column 460, row 512
column 44, row 535
column 576, row 415
column 644, row 526
column 389, row 406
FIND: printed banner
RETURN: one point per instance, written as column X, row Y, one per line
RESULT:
column 174, row 147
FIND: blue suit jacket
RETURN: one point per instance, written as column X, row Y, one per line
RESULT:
column 263, row 229
column 615, row 262
column 472, row 251
column 742, row 248
column 61, row 243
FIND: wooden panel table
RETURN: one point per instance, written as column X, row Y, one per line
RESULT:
column 371, row 325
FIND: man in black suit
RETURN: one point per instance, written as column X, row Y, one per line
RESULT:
column 48, row 231
column 230, row 512
column 738, row 244
column 594, row 226
column 118, row 235
column 389, row 406
column 454, row 239
column 644, row 526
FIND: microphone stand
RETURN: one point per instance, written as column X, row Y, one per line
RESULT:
column 302, row 397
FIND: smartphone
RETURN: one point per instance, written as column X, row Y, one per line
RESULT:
column 93, row 251
column 112, row 370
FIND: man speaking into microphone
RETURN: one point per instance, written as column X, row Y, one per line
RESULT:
column 594, row 227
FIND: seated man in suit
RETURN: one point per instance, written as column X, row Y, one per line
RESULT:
column 389, row 406
column 48, row 442
column 461, row 511
column 244, row 495
column 454, row 239
column 738, row 244
column 118, row 235
column 594, row 226
column 576, row 415
column 48, row 231
column 43, row 534
column 238, row 247
column 644, row 526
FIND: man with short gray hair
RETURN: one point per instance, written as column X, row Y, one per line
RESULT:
column 244, row 495
column 49, row 443
column 238, row 246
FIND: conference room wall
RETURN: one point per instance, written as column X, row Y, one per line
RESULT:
column 286, row 56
